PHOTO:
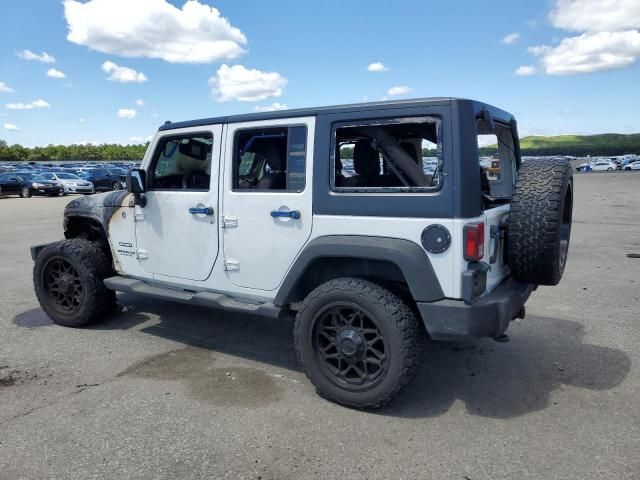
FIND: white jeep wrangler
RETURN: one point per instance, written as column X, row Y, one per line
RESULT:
column 376, row 224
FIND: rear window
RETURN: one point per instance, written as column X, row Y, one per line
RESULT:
column 497, row 160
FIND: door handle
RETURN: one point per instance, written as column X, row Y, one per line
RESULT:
column 295, row 214
column 201, row 211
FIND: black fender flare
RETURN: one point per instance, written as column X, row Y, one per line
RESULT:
column 408, row 256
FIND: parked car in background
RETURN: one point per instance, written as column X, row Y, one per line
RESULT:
column 604, row 166
column 104, row 179
column 70, row 182
column 633, row 165
column 26, row 185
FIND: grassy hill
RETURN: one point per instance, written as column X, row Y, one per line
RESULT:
column 578, row 145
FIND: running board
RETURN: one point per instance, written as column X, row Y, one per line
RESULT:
column 202, row 299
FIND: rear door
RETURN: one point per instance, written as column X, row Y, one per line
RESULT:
column 177, row 229
column 266, row 203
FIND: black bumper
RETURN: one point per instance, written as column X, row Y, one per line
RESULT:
column 487, row 316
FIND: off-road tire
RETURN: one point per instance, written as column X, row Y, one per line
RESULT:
column 403, row 332
column 539, row 225
column 92, row 266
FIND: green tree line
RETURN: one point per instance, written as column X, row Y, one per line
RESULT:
column 61, row 153
column 603, row 145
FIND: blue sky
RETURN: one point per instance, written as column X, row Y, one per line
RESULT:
column 565, row 66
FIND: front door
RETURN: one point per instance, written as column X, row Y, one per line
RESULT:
column 267, row 199
column 177, row 231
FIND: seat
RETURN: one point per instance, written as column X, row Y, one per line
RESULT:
column 366, row 163
column 276, row 179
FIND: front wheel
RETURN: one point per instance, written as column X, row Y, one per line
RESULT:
column 25, row 192
column 116, row 186
column 358, row 342
column 68, row 279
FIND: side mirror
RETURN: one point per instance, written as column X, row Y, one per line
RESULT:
column 136, row 181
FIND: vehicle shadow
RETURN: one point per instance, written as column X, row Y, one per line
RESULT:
column 496, row 380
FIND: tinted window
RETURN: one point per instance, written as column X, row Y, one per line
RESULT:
column 270, row 159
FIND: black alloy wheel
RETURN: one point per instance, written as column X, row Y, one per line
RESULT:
column 350, row 346
column 63, row 285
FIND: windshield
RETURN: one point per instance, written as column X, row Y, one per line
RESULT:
column 68, row 176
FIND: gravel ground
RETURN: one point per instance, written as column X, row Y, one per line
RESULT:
column 168, row 391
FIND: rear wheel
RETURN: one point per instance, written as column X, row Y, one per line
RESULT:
column 116, row 186
column 358, row 342
column 25, row 192
column 68, row 278
column 609, row 169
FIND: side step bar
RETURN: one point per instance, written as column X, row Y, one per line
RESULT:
column 203, row 299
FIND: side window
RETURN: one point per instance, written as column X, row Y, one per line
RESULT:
column 398, row 155
column 182, row 162
column 270, row 159
column 497, row 160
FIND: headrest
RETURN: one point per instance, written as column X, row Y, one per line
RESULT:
column 271, row 152
column 366, row 161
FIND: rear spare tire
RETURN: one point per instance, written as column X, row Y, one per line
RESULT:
column 539, row 225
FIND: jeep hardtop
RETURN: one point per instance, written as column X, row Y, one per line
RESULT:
column 375, row 225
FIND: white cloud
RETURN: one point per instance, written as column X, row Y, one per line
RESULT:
column 82, row 120
column 195, row 33
column 511, row 38
column 245, row 85
column 271, row 108
column 377, row 67
column 44, row 57
column 609, row 39
column 595, row 15
column 10, row 126
column 590, row 52
column 136, row 140
column 122, row 74
column 525, row 70
column 5, row 88
column 28, row 106
column 399, row 90
column 140, row 102
column 127, row 113
column 53, row 73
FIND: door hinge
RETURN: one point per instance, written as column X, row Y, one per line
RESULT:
column 229, row 222
column 231, row 265
column 141, row 254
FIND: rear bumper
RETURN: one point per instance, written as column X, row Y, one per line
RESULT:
column 487, row 316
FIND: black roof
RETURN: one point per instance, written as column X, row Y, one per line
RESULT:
column 354, row 107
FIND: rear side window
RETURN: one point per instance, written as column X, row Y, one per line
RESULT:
column 397, row 155
column 270, row 159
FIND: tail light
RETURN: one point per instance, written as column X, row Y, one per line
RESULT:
column 473, row 241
